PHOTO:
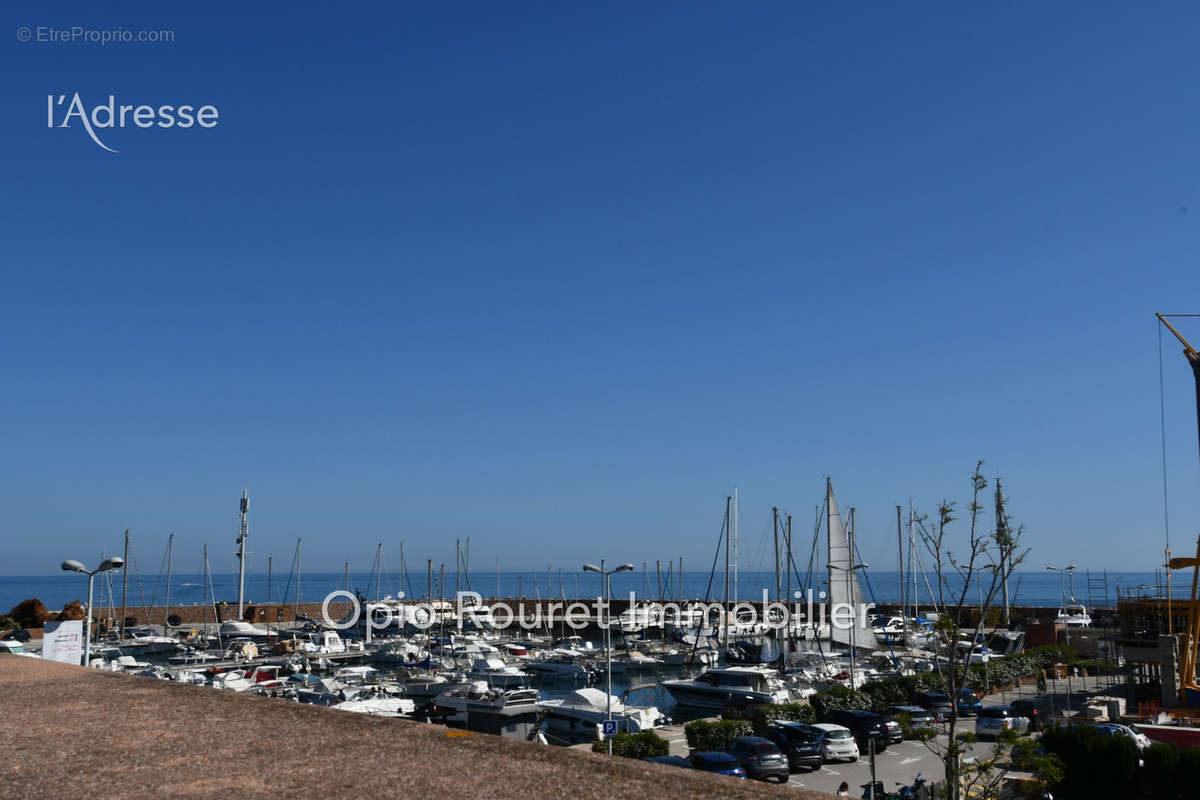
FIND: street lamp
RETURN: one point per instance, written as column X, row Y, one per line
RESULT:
column 849, row 593
column 604, row 574
column 105, row 565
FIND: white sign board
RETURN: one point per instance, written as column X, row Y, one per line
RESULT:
column 63, row 641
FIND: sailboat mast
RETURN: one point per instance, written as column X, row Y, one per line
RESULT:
column 900, row 564
column 299, row 552
column 778, row 576
column 167, row 598
column 124, row 584
column 912, row 574
column 725, row 597
column 787, row 568
column 734, row 519
column 241, row 554
column 378, row 569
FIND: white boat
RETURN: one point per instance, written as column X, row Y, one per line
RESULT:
column 234, row 680
column 1074, row 615
column 496, row 673
column 713, row 689
column 377, row 701
column 236, row 628
column 355, row 674
column 561, row 667
column 576, row 716
column 14, row 648
column 455, row 704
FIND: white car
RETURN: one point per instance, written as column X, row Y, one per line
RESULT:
column 837, row 742
column 992, row 720
column 1113, row 729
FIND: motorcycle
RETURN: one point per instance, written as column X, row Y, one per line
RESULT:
column 877, row 791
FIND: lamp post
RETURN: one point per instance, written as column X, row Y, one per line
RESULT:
column 854, row 624
column 105, row 565
column 604, row 574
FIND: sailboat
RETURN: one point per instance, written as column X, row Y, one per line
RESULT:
column 844, row 586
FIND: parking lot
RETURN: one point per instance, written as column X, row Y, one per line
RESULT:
column 900, row 763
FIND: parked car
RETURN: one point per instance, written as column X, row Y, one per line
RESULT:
column 1140, row 740
column 936, row 703
column 18, row 635
column 916, row 716
column 968, row 703
column 761, row 759
column 992, row 720
column 866, row 726
column 800, row 743
column 720, row 763
column 895, row 732
column 1029, row 710
column 837, row 742
column 673, row 761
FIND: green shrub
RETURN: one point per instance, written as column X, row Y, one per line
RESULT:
column 838, row 698
column 1093, row 765
column 760, row 716
column 704, row 735
column 635, row 745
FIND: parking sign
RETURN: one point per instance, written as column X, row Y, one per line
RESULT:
column 609, row 727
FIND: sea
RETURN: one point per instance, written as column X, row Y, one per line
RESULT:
column 1095, row 588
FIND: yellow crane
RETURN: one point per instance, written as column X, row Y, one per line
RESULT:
column 1189, row 690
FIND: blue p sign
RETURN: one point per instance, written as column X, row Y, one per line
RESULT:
column 610, row 727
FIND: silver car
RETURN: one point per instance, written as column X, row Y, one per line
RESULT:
column 993, row 720
column 837, row 742
column 1140, row 740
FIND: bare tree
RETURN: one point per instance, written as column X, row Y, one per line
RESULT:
column 977, row 570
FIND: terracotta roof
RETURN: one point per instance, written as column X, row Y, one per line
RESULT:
column 73, row 732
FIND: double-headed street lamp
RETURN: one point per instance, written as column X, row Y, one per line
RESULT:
column 605, row 573
column 105, row 565
column 1062, row 589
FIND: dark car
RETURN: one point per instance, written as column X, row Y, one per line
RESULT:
column 867, row 727
column 916, row 717
column 936, row 703
column 761, row 759
column 721, row 763
column 671, row 761
column 18, row 635
column 968, row 703
column 1029, row 710
column 800, row 743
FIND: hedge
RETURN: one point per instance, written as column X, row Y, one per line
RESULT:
column 703, row 735
column 635, row 745
column 881, row 694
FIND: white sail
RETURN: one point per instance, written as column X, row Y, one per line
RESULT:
column 844, row 584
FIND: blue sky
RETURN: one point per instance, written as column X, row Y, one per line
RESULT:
column 558, row 279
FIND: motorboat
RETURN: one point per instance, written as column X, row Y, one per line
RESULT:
column 377, row 701
column 1074, row 615
column 456, row 703
column 236, row 629
column 196, row 658
column 355, row 674
column 496, row 673
column 576, row 716
column 562, row 667
column 713, row 689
